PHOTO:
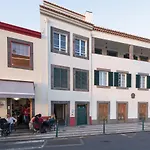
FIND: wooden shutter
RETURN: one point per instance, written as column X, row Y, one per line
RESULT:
column 31, row 57
column 84, row 80
column 64, row 78
column 129, row 81
column 57, row 77
column 148, row 82
column 116, row 78
column 96, row 77
column 78, row 80
column 137, row 81
column 110, row 78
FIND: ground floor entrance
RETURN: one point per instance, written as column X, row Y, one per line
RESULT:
column 142, row 110
column 22, row 109
column 82, row 113
column 122, row 111
column 61, row 109
column 103, row 111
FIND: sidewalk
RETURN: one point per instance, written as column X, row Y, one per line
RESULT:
column 79, row 131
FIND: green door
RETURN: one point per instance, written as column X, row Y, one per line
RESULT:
column 81, row 115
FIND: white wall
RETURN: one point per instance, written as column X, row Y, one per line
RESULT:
column 69, row 61
column 113, row 94
column 38, row 75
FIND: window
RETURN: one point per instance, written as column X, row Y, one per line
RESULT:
column 142, row 82
column 81, row 80
column 80, row 49
column 20, row 54
column 112, row 53
column 98, row 51
column 122, row 79
column 103, row 78
column 60, row 41
column 60, row 77
column 81, row 46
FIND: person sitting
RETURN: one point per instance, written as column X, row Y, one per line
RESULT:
column 11, row 121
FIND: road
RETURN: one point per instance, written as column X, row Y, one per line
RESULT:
column 132, row 141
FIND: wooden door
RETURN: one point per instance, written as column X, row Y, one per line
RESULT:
column 143, row 107
column 81, row 115
column 103, row 111
column 122, row 112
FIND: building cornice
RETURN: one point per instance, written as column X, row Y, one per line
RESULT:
column 64, row 17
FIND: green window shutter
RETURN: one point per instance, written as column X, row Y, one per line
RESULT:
column 129, row 80
column 148, row 82
column 96, row 77
column 64, row 78
column 57, row 77
column 116, row 78
column 78, row 80
column 137, row 81
column 110, row 78
column 84, row 80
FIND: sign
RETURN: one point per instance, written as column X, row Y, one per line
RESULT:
column 2, row 104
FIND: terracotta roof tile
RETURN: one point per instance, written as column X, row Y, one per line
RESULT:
column 122, row 34
column 66, row 15
column 64, row 8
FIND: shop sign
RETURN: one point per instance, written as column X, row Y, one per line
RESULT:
column 2, row 104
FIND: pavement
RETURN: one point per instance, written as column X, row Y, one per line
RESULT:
column 129, row 141
column 79, row 131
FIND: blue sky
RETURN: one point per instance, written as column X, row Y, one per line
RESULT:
column 131, row 16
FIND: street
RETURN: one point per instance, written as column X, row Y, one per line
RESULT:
column 131, row 141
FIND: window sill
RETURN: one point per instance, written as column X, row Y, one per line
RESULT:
column 60, row 52
column 99, row 86
column 141, row 89
column 81, row 90
column 82, row 57
column 123, row 88
column 59, row 88
column 20, row 67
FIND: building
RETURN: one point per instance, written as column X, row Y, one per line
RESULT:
column 80, row 72
column 93, row 73
column 23, row 69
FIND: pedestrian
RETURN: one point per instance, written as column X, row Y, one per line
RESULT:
column 11, row 121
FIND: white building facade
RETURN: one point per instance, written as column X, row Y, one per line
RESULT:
column 93, row 73
column 22, row 81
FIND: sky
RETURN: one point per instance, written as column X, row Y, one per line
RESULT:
column 130, row 16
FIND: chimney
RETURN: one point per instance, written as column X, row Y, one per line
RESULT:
column 89, row 16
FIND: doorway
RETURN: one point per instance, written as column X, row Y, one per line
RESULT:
column 22, row 110
column 103, row 111
column 81, row 114
column 122, row 111
column 61, row 111
column 142, row 110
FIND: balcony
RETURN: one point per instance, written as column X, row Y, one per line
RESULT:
column 121, row 50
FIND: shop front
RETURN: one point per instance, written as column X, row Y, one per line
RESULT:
column 17, row 99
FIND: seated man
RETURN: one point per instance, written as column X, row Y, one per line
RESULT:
column 12, row 121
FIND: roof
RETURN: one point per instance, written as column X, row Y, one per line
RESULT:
column 66, row 15
column 97, row 28
column 20, row 30
column 63, row 8
column 122, row 34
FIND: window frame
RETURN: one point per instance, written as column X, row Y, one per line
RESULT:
column 125, row 83
column 60, row 32
column 10, row 53
column 52, row 77
column 145, row 80
column 103, row 71
column 74, row 80
column 86, row 40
